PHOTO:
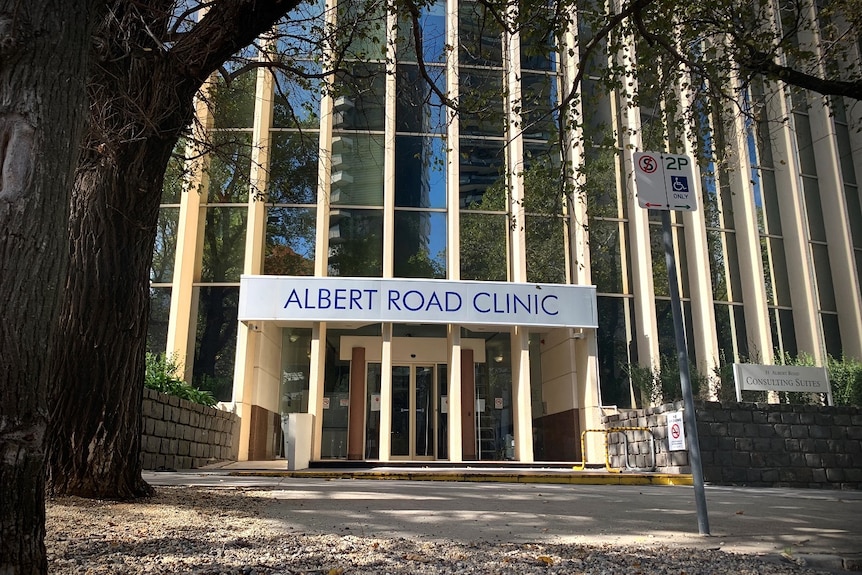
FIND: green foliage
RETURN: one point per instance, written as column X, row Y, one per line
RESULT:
column 845, row 374
column 162, row 374
column 659, row 385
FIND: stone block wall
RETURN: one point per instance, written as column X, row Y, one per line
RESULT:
column 756, row 444
column 180, row 434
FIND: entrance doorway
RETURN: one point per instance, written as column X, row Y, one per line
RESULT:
column 414, row 406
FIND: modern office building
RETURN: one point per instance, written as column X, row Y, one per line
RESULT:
column 417, row 280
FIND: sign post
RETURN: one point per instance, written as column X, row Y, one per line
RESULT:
column 666, row 182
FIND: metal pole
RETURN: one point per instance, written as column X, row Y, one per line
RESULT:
column 685, row 381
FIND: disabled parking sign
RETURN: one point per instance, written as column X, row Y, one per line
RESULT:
column 665, row 181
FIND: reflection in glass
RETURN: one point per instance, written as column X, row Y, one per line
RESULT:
column 539, row 93
column 420, row 251
column 480, row 35
column 613, row 343
column 293, row 168
column 224, row 243
column 605, row 256
column 357, row 170
column 372, row 411
column 484, row 239
column 215, row 340
column 295, row 369
column 481, row 165
column 229, row 167
column 356, row 243
column 400, row 443
column 165, row 247
column 546, row 254
column 234, row 101
column 481, row 101
column 419, row 109
column 424, row 445
column 157, row 326
column 336, row 405
column 420, row 172
column 494, row 420
column 432, row 25
column 359, row 99
column 290, row 239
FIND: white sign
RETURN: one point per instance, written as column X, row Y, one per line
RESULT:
column 752, row 377
column 665, row 181
column 375, row 402
column 288, row 298
column 675, row 431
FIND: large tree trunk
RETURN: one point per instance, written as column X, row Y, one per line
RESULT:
column 43, row 52
column 142, row 91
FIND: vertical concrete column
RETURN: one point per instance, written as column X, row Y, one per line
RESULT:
column 522, row 411
column 468, row 408
column 356, row 413
column 389, row 238
column 386, row 394
column 453, row 134
column 315, row 385
column 456, row 405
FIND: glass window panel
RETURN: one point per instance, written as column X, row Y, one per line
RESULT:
column 229, row 168
column 336, row 389
column 537, row 41
column 297, row 99
column 360, row 98
column 215, row 340
column 804, row 144
column 480, row 35
column 494, row 398
column 731, row 265
column 481, row 168
column 175, row 175
column 779, row 281
column 432, row 26
column 546, row 254
column 290, row 240
column 157, row 327
column 601, row 193
column 420, row 172
column 854, row 214
column 770, row 196
column 481, row 100
column 366, row 21
column 484, row 246
column 420, row 244
column 788, row 332
column 295, row 369
column 372, row 416
column 816, row 227
column 233, row 101
column 165, row 247
column 845, row 151
column 659, row 265
column 741, row 333
column 300, row 34
column 539, row 93
column 542, row 190
column 823, row 272
column 724, row 332
column 764, row 143
column 596, row 105
column 356, row 243
column 613, row 343
column 419, row 109
column 832, row 334
column 293, row 168
column 357, row 170
column 224, row 243
column 605, row 256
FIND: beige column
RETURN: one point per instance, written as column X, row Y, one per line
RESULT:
column 386, row 394
column 522, row 412
column 800, row 271
column 187, row 266
column 315, row 385
column 457, row 363
column 748, row 246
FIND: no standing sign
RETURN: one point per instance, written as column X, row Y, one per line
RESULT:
column 665, row 181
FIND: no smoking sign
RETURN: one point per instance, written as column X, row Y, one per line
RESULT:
column 675, row 431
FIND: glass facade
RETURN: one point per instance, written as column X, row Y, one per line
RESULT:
column 372, row 175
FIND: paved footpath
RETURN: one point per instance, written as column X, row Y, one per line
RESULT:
column 824, row 527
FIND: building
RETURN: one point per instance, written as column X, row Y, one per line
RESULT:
column 381, row 183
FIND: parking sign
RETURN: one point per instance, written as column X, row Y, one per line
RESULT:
column 665, row 181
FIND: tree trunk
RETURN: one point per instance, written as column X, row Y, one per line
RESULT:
column 43, row 54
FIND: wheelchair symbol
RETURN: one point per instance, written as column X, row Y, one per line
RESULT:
column 679, row 184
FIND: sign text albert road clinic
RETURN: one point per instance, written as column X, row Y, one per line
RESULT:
column 408, row 301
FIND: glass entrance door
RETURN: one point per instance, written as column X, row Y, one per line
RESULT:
column 414, row 394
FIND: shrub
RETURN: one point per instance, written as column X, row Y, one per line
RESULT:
column 162, row 374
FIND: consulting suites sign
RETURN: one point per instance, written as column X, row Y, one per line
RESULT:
column 797, row 378
column 288, row 298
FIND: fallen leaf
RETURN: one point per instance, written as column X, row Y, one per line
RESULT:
column 546, row 560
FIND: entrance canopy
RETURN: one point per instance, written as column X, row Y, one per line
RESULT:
column 289, row 298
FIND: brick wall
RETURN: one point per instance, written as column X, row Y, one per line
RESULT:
column 753, row 443
column 179, row 434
